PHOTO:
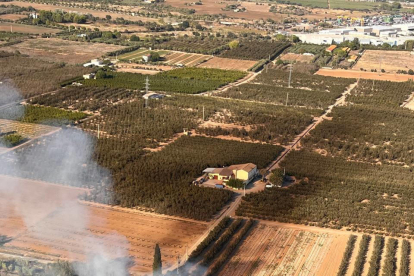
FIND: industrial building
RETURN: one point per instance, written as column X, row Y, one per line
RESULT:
column 376, row 35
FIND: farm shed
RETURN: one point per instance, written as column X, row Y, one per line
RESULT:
column 331, row 48
column 90, row 76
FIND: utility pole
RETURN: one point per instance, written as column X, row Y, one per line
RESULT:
column 98, row 131
column 203, row 114
column 146, row 91
column 287, row 98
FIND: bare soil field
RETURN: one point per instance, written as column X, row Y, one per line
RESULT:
column 254, row 12
column 353, row 74
column 62, row 227
column 390, row 61
column 275, row 250
column 228, row 64
column 20, row 28
column 54, row 49
column 95, row 13
column 25, row 129
column 13, row 17
column 291, row 57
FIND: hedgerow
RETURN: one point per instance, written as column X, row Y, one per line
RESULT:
column 213, row 235
column 218, row 245
column 375, row 262
column 405, row 258
column 347, row 255
column 362, row 254
column 390, row 261
column 230, row 247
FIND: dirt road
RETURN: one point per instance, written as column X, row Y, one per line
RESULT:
column 317, row 121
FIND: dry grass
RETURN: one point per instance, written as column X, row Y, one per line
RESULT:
column 29, row 29
column 390, row 61
column 57, row 50
column 13, row 17
column 353, row 74
column 291, row 57
column 228, row 64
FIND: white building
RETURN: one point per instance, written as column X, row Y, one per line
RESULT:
column 90, row 76
column 94, row 62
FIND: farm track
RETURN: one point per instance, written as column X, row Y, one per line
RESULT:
column 316, row 122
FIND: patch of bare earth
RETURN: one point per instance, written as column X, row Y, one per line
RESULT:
column 228, row 64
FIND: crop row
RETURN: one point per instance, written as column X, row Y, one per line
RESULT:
column 390, row 261
column 230, row 247
column 347, row 255
column 362, row 254
column 210, row 238
column 218, row 245
column 375, row 262
column 405, row 258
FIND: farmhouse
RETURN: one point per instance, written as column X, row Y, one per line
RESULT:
column 94, row 62
column 245, row 172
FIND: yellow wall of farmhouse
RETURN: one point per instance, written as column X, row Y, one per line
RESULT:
column 242, row 175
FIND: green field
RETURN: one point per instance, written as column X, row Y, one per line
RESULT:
column 307, row 3
column 139, row 53
column 347, row 5
column 184, row 80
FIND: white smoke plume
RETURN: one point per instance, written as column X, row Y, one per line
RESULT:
column 65, row 157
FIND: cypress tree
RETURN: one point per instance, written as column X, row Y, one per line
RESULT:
column 157, row 264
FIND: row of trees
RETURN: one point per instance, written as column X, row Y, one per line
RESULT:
column 390, row 261
column 234, row 242
column 219, row 244
column 362, row 254
column 405, row 258
column 211, row 237
column 46, row 17
column 343, row 268
column 375, row 262
column 249, row 50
